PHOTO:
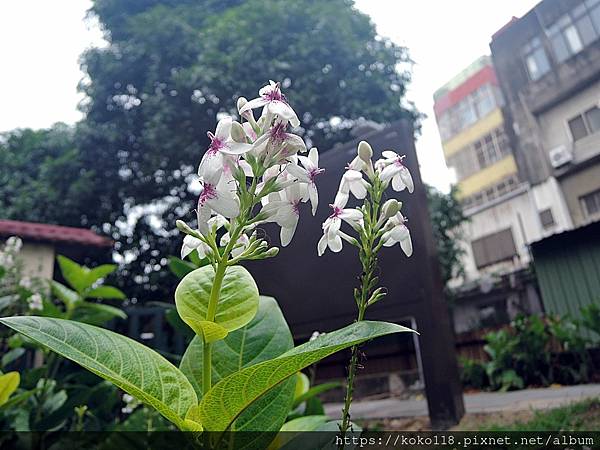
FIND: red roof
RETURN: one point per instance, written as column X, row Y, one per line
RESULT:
column 53, row 233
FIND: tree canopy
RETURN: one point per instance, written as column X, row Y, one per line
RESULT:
column 152, row 93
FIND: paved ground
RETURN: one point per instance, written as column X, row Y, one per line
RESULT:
column 484, row 402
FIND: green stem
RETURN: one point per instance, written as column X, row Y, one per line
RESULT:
column 368, row 258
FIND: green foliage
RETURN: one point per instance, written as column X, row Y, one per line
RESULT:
column 446, row 218
column 131, row 366
column 590, row 318
column 9, row 382
column 533, row 352
column 237, row 305
column 234, row 394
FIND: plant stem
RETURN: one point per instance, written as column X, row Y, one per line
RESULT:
column 368, row 257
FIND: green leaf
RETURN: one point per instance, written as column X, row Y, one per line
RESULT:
column 179, row 267
column 227, row 399
column 73, row 273
column 265, row 337
column 314, row 391
column 290, row 430
column 106, row 292
column 237, row 305
column 129, row 365
column 68, row 296
column 81, row 277
column 9, row 382
column 302, row 385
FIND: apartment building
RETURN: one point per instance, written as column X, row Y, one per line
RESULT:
column 548, row 67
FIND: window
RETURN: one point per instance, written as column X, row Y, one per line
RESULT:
column 590, row 204
column 585, row 124
column 494, row 248
column 535, row 59
column 576, row 29
column 547, row 219
column 491, row 193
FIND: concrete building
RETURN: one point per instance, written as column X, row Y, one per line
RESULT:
column 548, row 66
column 501, row 207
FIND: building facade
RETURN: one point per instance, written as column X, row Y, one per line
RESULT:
column 548, row 67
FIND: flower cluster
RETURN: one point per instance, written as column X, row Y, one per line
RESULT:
column 254, row 171
column 389, row 226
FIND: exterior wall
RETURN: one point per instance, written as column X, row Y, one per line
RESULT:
column 478, row 129
column 548, row 195
column 578, row 184
column 554, row 128
column 38, row 260
column 487, row 176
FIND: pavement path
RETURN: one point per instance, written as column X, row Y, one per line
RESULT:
column 483, row 402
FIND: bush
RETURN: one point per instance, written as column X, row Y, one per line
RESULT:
column 534, row 351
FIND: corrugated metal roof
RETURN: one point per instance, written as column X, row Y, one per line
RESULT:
column 52, row 233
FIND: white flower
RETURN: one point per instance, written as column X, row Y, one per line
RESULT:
column 14, row 244
column 286, row 212
column 221, row 141
column 397, row 232
column 25, row 282
column 35, row 302
column 352, row 182
column 240, row 245
column 276, row 145
column 308, row 174
column 216, row 195
column 332, row 235
column 275, row 103
column 391, row 168
column 191, row 243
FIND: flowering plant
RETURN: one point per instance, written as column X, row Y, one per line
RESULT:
column 375, row 225
column 238, row 372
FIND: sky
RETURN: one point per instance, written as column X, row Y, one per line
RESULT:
column 41, row 41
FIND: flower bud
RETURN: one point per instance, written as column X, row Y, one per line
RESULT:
column 241, row 102
column 365, row 152
column 271, row 252
column 390, row 208
column 237, row 132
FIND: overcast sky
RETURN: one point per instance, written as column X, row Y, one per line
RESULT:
column 41, row 40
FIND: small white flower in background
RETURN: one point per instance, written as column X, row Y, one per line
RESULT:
column 14, row 244
column 25, row 282
column 397, row 232
column 275, row 103
column 391, row 168
column 35, row 302
column 307, row 174
column 130, row 404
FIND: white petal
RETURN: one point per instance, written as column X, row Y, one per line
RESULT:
column 190, row 243
column 314, row 197
column 335, row 243
column 287, row 233
column 406, row 245
column 388, row 172
column 236, row 148
column 397, row 183
column 322, row 245
column 223, row 128
column 284, row 111
column 341, row 199
column 225, row 205
column 359, row 188
column 388, row 154
column 407, row 179
column 297, row 172
column 203, row 214
column 254, row 103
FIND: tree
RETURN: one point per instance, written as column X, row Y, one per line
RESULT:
column 446, row 219
column 42, row 177
column 171, row 66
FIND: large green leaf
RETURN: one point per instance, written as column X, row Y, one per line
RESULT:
column 238, row 301
column 131, row 366
column 230, row 397
column 265, row 337
column 9, row 382
column 179, row 267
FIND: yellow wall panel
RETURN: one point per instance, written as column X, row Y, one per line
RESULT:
column 486, row 177
column 474, row 132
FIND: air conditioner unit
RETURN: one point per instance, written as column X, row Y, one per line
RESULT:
column 560, row 156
